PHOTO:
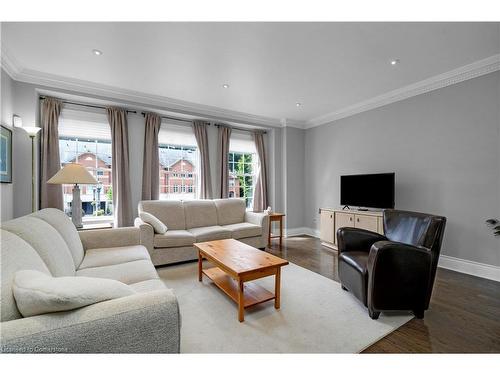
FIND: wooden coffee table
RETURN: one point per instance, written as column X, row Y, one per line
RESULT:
column 236, row 264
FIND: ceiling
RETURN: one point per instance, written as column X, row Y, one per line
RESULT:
column 269, row 67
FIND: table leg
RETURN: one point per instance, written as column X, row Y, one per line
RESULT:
column 269, row 234
column 281, row 231
column 200, row 266
column 277, row 287
column 241, row 301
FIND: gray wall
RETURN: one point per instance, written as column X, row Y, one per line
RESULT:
column 294, row 177
column 444, row 148
column 6, row 112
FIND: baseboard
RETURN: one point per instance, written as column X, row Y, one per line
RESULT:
column 301, row 231
column 486, row 271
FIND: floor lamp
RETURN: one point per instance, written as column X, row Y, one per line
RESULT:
column 73, row 173
column 32, row 132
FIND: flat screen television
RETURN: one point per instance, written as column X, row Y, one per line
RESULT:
column 368, row 190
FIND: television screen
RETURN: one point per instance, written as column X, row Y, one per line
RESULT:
column 368, row 190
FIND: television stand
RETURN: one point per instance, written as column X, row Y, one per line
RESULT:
column 332, row 219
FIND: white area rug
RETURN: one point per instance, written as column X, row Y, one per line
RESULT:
column 316, row 316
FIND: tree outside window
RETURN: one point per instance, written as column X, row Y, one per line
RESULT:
column 242, row 176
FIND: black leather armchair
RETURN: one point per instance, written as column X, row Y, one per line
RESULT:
column 395, row 271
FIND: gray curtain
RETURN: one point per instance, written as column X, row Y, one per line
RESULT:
column 50, row 195
column 200, row 132
column 223, row 148
column 122, row 199
column 150, row 161
column 260, row 201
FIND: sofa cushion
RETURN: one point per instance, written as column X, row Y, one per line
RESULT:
column 215, row 232
column 170, row 212
column 16, row 254
column 200, row 213
column 152, row 220
column 63, row 224
column 109, row 256
column 174, row 238
column 128, row 273
column 47, row 242
column 38, row 293
column 243, row 230
column 230, row 211
column 148, row 286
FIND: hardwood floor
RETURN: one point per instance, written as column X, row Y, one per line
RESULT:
column 463, row 317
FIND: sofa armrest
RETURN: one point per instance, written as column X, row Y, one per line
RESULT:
column 147, row 233
column 140, row 323
column 354, row 239
column 261, row 219
column 97, row 238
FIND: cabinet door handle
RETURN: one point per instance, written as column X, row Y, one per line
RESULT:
column 331, row 216
column 350, row 219
column 357, row 219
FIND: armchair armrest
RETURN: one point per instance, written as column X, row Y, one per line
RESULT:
column 140, row 323
column 261, row 219
column 147, row 233
column 354, row 239
column 398, row 272
column 97, row 238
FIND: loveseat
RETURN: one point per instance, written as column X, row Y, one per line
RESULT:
column 146, row 321
column 193, row 221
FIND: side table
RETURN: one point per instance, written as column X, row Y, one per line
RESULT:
column 275, row 216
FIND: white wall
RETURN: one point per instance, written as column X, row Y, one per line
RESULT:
column 444, row 148
column 6, row 112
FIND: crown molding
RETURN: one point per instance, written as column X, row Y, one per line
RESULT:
column 476, row 69
column 286, row 122
column 8, row 63
column 14, row 69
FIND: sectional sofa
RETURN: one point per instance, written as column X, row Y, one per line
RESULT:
column 199, row 221
column 147, row 321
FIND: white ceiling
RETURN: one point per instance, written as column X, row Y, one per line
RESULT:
column 269, row 66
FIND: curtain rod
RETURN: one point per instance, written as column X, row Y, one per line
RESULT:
column 242, row 129
column 144, row 115
column 172, row 118
column 85, row 105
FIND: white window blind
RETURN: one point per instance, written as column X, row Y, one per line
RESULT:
column 171, row 134
column 84, row 125
column 242, row 142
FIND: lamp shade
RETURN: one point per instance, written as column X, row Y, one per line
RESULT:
column 31, row 130
column 72, row 174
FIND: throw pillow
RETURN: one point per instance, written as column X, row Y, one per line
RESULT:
column 38, row 293
column 152, row 220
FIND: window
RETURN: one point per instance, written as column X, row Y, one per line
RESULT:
column 85, row 138
column 243, row 166
column 178, row 162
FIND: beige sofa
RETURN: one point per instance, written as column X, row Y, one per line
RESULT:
column 198, row 221
column 46, row 241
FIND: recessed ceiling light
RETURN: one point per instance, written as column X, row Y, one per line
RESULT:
column 225, row 85
column 96, row 52
column 395, row 62
column 298, row 104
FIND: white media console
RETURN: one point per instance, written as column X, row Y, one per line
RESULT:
column 333, row 219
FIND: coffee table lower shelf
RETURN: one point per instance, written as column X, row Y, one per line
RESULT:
column 253, row 294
